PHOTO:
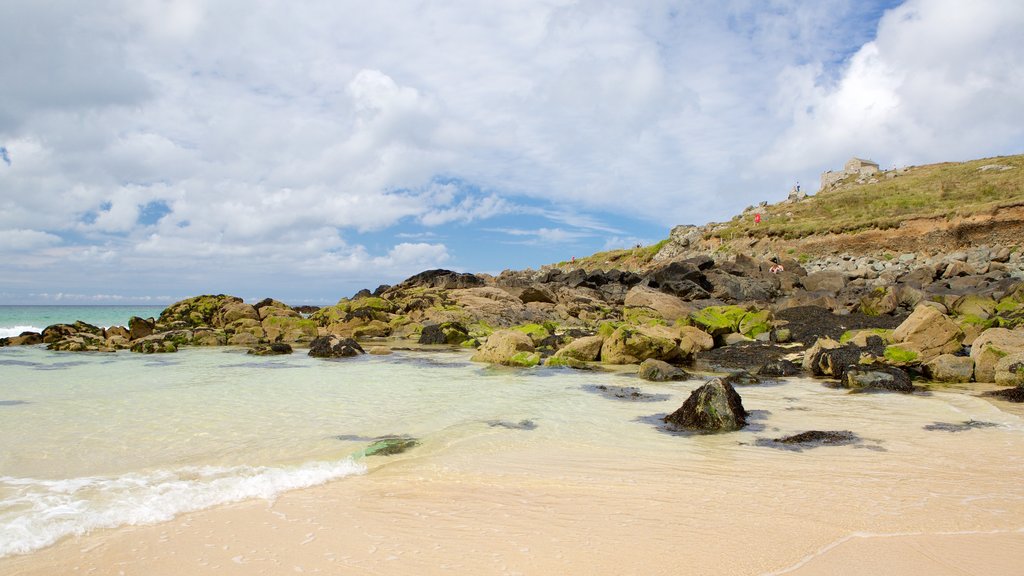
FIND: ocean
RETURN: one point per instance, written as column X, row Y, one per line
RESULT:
column 17, row 319
column 108, row 440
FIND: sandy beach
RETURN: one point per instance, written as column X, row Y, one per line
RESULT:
column 445, row 516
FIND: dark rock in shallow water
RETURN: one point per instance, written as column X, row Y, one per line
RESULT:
column 741, row 378
column 521, row 425
column 334, row 347
column 629, row 393
column 271, row 349
column 811, row 439
column 389, row 446
column 778, row 368
column 869, row 378
column 1015, row 394
column 961, row 427
column 714, row 407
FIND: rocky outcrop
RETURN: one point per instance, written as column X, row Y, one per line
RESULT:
column 632, row 345
column 927, row 333
column 714, row 407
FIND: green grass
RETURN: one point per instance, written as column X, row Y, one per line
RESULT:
column 938, row 190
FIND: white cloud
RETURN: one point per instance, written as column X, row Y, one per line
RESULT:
column 277, row 133
column 20, row 239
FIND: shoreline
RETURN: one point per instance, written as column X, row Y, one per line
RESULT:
column 463, row 506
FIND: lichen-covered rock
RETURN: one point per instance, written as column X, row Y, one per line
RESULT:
column 209, row 337
column 275, row 349
column 509, row 348
column 154, row 344
column 869, row 378
column 632, row 345
column 714, row 407
column 23, row 339
column 718, row 320
column 929, row 333
column 198, row 311
column 741, row 378
column 291, row 329
column 334, row 347
column 585, row 349
column 1009, row 370
column 950, row 368
column 447, row 333
column 660, row 371
column 243, row 339
column 992, row 346
column 140, row 327
column 566, row 362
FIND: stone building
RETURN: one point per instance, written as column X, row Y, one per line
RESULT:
column 854, row 167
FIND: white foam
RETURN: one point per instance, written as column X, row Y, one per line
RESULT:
column 8, row 331
column 37, row 513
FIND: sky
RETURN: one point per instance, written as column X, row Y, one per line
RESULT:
column 152, row 150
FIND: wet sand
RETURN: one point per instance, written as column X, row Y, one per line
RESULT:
column 450, row 517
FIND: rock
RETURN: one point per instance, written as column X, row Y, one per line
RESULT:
column 23, row 339
column 632, row 345
column 378, row 351
column 950, row 368
column 642, row 300
column 450, row 333
column 198, row 311
column 881, row 300
column 208, row 337
column 444, row 279
column 1015, row 394
column 714, row 407
column 820, row 437
column 929, row 333
column 974, row 306
column 693, row 340
column 729, row 287
column 1009, row 370
column 155, row 344
column 659, row 371
column 232, row 311
column 718, row 320
column 682, row 279
column 290, row 329
column 813, row 354
column 826, row 281
column 508, row 348
column 870, row 378
column 992, row 346
column 566, row 362
column 274, row 349
column 586, row 349
column 140, row 327
column 243, row 339
column 389, row 446
column 741, row 378
column 334, row 347
column 536, row 293
column 778, row 368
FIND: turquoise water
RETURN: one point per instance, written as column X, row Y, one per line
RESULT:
column 17, row 319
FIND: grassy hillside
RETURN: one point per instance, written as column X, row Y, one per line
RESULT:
column 937, row 190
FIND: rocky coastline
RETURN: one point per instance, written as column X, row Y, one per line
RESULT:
column 859, row 322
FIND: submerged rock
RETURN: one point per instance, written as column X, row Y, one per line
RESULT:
column 741, row 378
column 811, row 439
column 961, row 427
column 628, row 393
column 778, row 368
column 714, row 407
column 390, row 445
column 521, row 425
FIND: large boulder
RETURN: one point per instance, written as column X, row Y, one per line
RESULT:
column 660, row 371
column 929, row 333
column 585, row 349
column 729, row 287
column 198, row 311
column 950, row 368
column 632, row 345
column 693, row 340
column 714, row 407
column 508, row 348
column 992, row 346
column 644, row 301
column 682, row 279
column 334, row 347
